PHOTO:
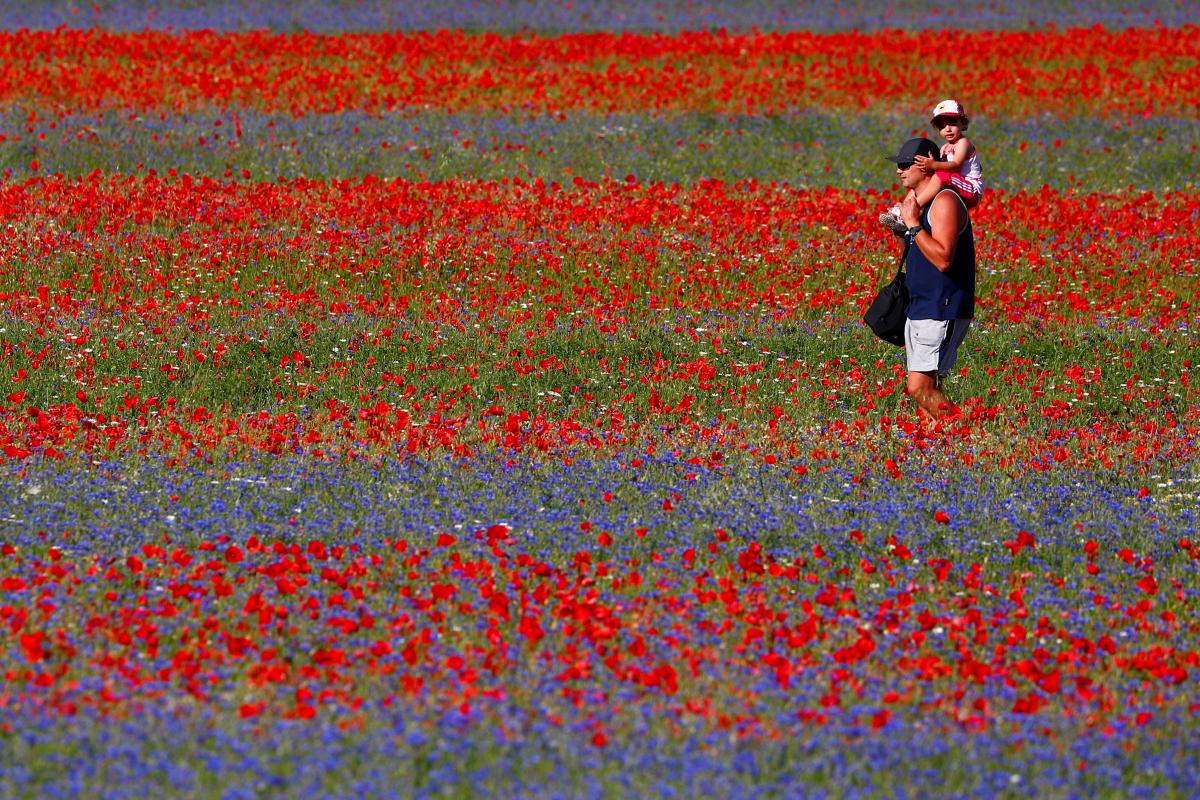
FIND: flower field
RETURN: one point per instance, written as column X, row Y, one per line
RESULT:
column 446, row 402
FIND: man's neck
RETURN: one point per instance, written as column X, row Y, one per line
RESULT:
column 924, row 184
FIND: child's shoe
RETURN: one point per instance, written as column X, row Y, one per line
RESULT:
column 891, row 220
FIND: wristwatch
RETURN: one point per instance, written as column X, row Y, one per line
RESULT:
column 914, row 230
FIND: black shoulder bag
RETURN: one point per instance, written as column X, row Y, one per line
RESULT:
column 889, row 309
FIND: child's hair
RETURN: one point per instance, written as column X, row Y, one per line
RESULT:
column 951, row 108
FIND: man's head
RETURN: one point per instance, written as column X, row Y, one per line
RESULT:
column 920, row 146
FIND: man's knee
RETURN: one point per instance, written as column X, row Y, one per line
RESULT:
column 920, row 382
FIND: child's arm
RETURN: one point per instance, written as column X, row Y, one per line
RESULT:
column 957, row 156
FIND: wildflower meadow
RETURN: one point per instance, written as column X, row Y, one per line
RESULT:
column 472, row 400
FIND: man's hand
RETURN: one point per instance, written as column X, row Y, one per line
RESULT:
column 910, row 212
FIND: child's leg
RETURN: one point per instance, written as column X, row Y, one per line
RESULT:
column 969, row 193
column 930, row 189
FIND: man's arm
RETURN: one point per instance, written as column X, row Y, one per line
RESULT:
column 946, row 218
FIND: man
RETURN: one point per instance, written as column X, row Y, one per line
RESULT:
column 940, row 270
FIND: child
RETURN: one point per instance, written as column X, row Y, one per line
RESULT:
column 957, row 168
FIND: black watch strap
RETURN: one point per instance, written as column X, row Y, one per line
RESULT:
column 914, row 230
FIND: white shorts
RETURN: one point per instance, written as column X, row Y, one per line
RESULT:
column 932, row 344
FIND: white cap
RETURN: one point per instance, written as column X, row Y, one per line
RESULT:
column 948, row 108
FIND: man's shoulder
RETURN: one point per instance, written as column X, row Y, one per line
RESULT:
column 946, row 199
column 948, row 209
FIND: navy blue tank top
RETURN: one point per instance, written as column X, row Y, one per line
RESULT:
column 934, row 294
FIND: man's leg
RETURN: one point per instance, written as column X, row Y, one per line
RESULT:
column 932, row 402
column 932, row 349
column 923, row 341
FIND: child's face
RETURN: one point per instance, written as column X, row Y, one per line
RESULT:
column 949, row 127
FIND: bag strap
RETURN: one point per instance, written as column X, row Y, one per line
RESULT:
column 903, row 256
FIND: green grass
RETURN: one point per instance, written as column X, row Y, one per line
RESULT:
column 804, row 148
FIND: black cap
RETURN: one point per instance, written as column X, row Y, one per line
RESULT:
column 913, row 148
